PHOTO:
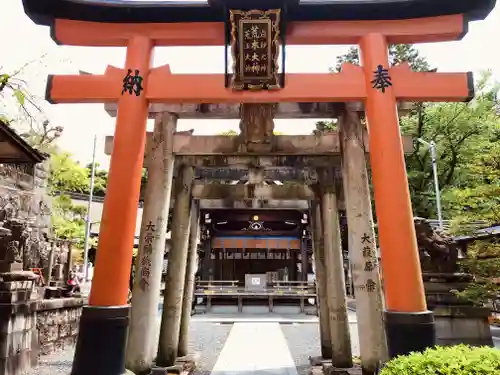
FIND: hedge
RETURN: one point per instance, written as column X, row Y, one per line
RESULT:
column 449, row 360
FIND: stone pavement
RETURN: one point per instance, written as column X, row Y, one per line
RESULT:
column 255, row 349
column 284, row 347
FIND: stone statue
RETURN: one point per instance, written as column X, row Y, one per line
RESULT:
column 12, row 245
column 12, row 253
column 257, row 126
column 438, row 250
column 9, row 207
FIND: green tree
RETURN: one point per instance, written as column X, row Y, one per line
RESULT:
column 461, row 132
column 398, row 53
column 100, row 179
column 68, row 220
column 66, row 175
column 478, row 198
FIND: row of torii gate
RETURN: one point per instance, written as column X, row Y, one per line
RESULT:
column 329, row 173
column 403, row 314
column 137, row 88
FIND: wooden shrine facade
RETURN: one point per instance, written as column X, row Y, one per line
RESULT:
column 239, row 242
column 246, row 242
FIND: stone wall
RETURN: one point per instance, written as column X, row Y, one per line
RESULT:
column 457, row 321
column 57, row 323
column 30, row 326
column 18, row 334
column 462, row 325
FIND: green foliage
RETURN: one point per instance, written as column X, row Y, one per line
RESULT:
column 233, row 133
column 68, row 219
column 101, row 179
column 323, row 127
column 451, row 360
column 464, row 133
column 66, row 175
column 230, row 133
column 469, row 165
column 398, row 53
column 483, row 261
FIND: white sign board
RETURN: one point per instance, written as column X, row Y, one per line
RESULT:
column 255, row 281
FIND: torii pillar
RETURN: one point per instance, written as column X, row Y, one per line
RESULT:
column 100, row 348
column 142, row 335
column 409, row 324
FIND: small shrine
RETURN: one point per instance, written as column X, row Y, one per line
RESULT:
column 26, row 246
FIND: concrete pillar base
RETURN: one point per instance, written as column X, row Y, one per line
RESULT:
column 318, row 361
column 409, row 332
column 100, row 348
column 166, row 370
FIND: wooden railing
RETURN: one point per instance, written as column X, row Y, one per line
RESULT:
column 299, row 290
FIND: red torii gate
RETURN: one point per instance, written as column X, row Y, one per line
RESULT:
column 101, row 340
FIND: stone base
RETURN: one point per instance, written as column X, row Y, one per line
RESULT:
column 183, row 366
column 409, row 332
column 318, row 361
column 172, row 370
column 462, row 325
column 330, row 370
column 321, row 366
column 100, row 348
column 18, row 275
column 6, row 267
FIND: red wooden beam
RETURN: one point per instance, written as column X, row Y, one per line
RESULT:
column 161, row 86
column 420, row 30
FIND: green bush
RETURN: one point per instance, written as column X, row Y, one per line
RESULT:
column 450, row 360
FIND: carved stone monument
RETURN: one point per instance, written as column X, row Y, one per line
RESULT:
column 457, row 321
column 438, row 250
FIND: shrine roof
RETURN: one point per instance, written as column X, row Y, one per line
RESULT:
column 164, row 11
column 14, row 149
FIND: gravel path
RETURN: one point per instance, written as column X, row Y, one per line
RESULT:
column 58, row 363
column 206, row 339
column 303, row 342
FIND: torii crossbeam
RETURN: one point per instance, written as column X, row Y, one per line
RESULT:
column 161, row 86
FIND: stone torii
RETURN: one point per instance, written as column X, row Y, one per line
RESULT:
column 219, row 150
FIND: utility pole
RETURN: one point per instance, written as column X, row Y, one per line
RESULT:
column 432, row 147
column 88, row 219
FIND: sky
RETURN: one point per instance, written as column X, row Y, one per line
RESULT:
column 477, row 52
